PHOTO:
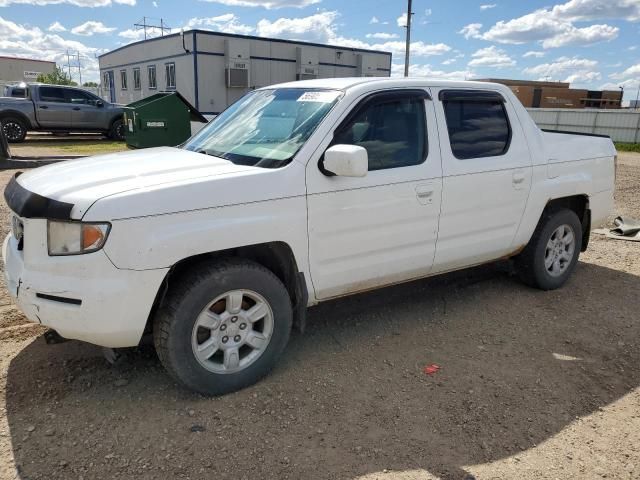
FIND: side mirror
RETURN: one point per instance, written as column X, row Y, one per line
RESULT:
column 99, row 103
column 346, row 161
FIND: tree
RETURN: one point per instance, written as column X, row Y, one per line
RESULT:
column 89, row 84
column 57, row 77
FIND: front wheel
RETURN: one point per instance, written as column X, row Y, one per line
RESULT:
column 552, row 253
column 116, row 132
column 223, row 327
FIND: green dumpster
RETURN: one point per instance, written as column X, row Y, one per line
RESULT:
column 163, row 119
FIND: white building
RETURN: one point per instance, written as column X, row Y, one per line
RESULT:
column 212, row 70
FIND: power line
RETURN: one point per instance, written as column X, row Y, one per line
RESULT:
column 144, row 25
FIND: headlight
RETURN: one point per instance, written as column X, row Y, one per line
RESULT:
column 75, row 238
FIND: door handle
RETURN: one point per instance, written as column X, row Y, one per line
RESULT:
column 518, row 178
column 76, row 108
column 424, row 194
column 43, row 107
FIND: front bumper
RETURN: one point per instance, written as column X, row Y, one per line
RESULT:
column 109, row 306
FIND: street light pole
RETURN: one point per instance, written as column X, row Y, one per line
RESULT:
column 407, row 48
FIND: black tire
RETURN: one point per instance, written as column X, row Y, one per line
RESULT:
column 14, row 128
column 530, row 264
column 117, row 131
column 188, row 297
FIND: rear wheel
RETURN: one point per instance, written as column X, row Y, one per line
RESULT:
column 14, row 129
column 552, row 254
column 223, row 327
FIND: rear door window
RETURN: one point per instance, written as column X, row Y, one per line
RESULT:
column 478, row 127
column 52, row 94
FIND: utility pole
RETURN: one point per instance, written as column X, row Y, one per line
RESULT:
column 407, row 52
column 68, row 64
column 79, row 67
column 638, row 96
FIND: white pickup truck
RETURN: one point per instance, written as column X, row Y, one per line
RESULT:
column 296, row 194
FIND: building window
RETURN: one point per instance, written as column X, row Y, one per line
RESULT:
column 136, row 79
column 151, row 73
column 477, row 128
column 107, row 80
column 170, row 74
column 123, row 79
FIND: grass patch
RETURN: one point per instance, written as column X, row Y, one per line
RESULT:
column 628, row 147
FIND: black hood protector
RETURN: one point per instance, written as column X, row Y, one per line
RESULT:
column 27, row 204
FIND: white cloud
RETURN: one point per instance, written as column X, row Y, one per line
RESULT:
column 572, row 70
column 585, row 10
column 227, row 23
column 268, row 4
column 471, row 31
column 382, row 35
column 534, row 54
column 90, row 28
column 555, row 27
column 488, row 6
column 136, row 34
column 402, row 20
column 632, row 48
column 32, row 42
column 155, row 4
column 56, row 27
column 450, row 61
column 491, row 57
column 418, row 70
column 319, row 27
column 632, row 72
column 374, row 20
column 582, row 36
column 76, row 3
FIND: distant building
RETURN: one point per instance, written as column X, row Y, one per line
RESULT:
column 212, row 70
column 534, row 94
column 14, row 69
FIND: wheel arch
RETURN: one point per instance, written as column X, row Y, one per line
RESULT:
column 579, row 204
column 16, row 113
column 278, row 257
column 114, row 119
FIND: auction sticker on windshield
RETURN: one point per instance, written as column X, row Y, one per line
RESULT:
column 319, row 96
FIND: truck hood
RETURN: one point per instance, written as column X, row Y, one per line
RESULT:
column 81, row 183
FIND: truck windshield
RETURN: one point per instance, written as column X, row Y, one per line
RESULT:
column 265, row 128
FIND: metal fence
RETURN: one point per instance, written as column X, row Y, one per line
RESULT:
column 620, row 125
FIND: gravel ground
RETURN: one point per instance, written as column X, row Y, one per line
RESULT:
column 532, row 385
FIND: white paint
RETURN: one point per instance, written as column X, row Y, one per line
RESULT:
column 347, row 234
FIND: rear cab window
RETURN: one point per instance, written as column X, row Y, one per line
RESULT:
column 477, row 123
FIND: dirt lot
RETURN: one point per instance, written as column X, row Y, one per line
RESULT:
column 533, row 385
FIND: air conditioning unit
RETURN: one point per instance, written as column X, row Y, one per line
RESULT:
column 307, row 61
column 237, row 75
column 307, row 74
column 237, row 63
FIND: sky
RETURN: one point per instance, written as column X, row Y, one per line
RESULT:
column 590, row 43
